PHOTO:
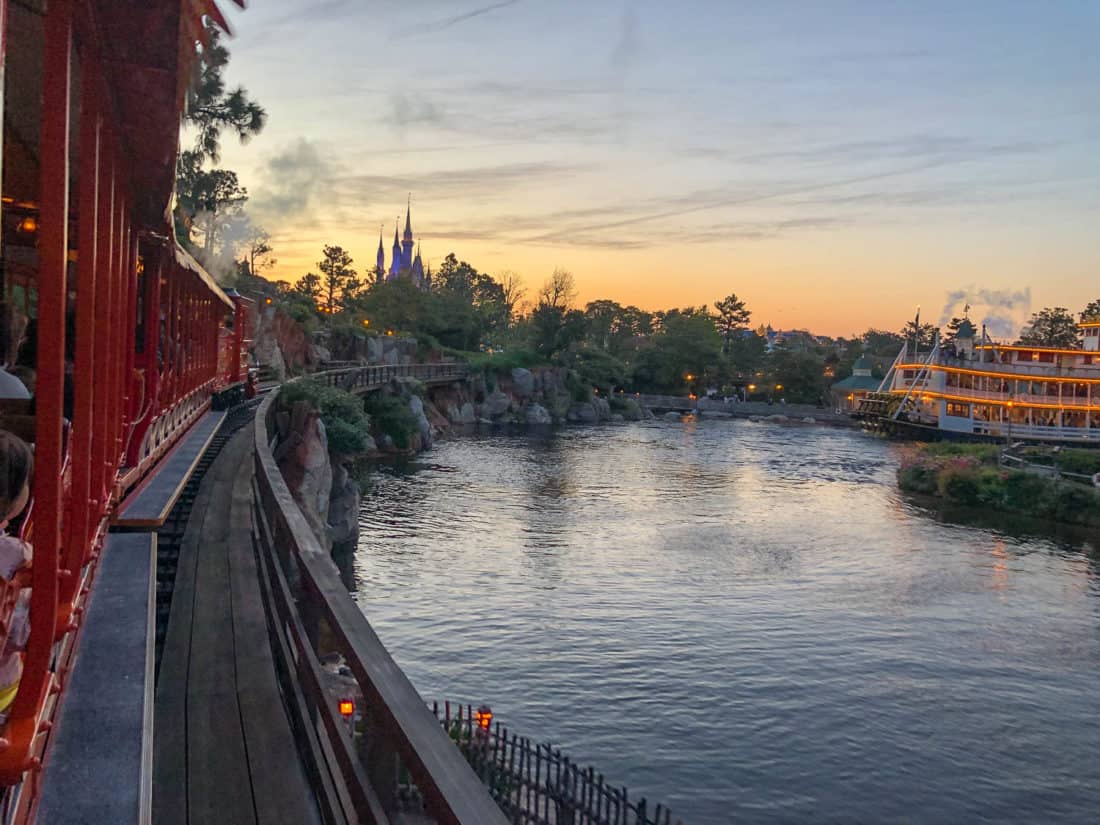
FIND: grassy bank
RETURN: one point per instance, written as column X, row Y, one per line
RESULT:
column 968, row 475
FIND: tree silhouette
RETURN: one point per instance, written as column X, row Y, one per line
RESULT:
column 338, row 280
column 925, row 334
column 733, row 317
column 1051, row 327
column 210, row 108
column 1092, row 311
column 309, row 285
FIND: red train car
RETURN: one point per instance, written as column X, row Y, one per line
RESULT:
column 129, row 338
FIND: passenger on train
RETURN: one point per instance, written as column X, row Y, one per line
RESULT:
column 16, row 465
column 12, row 325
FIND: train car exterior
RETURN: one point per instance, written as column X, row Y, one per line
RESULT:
column 131, row 337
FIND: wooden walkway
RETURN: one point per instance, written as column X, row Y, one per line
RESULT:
column 224, row 753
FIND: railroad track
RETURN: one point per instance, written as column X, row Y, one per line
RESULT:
column 170, row 536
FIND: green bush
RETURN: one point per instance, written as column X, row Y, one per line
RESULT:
column 1075, row 502
column 345, row 438
column 917, row 479
column 967, row 474
column 990, row 487
column 1085, row 462
column 346, row 422
column 960, row 484
column 983, row 453
column 392, row 416
column 487, row 362
column 1028, row 493
column 578, row 389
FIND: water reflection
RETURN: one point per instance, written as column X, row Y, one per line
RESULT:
column 747, row 621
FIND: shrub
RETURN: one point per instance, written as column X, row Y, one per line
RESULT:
column 979, row 453
column 344, row 438
column 967, row 475
column 917, row 478
column 392, row 416
column 1085, row 462
column 1028, row 493
column 579, row 390
column 960, row 484
column 991, row 487
column 499, row 361
column 346, row 423
column 1077, row 503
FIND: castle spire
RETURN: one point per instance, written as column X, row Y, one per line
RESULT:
column 381, row 262
column 395, row 264
column 407, row 241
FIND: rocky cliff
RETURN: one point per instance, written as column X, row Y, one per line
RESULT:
column 327, row 496
column 540, row 397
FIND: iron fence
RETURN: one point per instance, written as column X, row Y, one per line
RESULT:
column 536, row 784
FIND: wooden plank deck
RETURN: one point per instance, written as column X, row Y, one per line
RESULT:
column 223, row 748
column 149, row 505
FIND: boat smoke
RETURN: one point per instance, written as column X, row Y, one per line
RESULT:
column 1003, row 311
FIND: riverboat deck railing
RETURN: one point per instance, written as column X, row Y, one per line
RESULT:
column 355, row 765
column 537, row 784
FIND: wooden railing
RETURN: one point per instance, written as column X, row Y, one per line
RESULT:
column 355, row 760
column 364, row 379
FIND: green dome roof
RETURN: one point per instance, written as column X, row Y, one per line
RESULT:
column 862, row 363
column 966, row 329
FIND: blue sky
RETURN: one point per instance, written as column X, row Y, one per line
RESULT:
column 834, row 163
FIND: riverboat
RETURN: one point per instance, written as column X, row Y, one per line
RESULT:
column 976, row 389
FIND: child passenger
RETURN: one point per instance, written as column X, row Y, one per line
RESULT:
column 16, row 465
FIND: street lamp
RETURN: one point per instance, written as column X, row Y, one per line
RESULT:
column 1009, row 405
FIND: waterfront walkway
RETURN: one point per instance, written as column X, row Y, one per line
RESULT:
column 223, row 748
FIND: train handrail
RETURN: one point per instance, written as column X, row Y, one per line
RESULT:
column 451, row 790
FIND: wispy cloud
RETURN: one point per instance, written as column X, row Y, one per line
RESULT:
column 950, row 148
column 431, row 26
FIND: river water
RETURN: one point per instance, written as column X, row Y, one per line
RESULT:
column 746, row 622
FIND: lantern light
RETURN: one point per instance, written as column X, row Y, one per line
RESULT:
column 366, row 322
column 268, row 301
column 29, row 224
column 347, row 708
column 483, row 717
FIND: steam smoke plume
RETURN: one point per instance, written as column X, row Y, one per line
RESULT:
column 1003, row 311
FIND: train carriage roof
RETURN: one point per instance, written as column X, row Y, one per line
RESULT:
column 149, row 51
column 151, row 54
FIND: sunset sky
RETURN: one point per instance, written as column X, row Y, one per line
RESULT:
column 833, row 163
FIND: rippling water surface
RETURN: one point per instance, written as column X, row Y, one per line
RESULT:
column 746, row 622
